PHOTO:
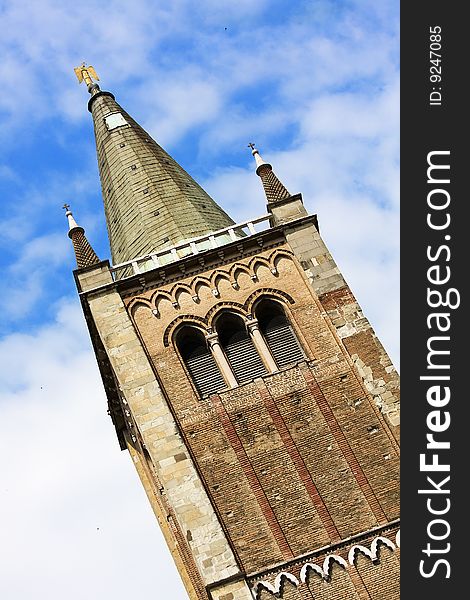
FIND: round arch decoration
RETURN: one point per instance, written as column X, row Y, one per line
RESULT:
column 189, row 320
column 272, row 293
column 233, row 307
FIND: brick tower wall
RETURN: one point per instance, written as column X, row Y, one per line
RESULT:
column 307, row 448
column 365, row 350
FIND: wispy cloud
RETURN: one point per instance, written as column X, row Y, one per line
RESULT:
column 69, row 497
column 32, row 274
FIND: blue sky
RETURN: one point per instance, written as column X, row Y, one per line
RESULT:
column 314, row 84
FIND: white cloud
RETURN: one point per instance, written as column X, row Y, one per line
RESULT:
column 239, row 191
column 73, row 515
column 32, row 273
column 179, row 103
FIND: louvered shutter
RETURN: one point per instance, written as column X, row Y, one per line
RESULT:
column 243, row 357
column 204, row 371
column 282, row 342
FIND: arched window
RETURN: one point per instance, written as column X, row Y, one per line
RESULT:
column 278, row 333
column 199, row 361
column 239, row 349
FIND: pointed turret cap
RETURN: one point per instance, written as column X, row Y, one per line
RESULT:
column 150, row 201
column 273, row 188
column 84, row 253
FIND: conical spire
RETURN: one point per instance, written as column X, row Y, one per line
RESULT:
column 273, row 188
column 84, row 253
column 150, row 201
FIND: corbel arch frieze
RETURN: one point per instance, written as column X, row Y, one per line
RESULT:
column 258, row 260
column 218, row 275
column 218, row 278
column 372, row 553
column 255, row 264
column 213, row 282
column 160, row 294
column 236, row 272
column 238, row 267
column 278, row 253
column 198, row 283
column 327, row 570
column 184, row 296
column 276, row 256
column 135, row 303
column 179, row 287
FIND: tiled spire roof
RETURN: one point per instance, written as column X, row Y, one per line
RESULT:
column 273, row 188
column 150, row 201
column 84, row 253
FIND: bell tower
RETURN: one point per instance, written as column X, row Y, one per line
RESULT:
column 255, row 400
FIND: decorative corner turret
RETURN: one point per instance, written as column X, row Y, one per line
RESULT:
column 273, row 188
column 84, row 253
column 282, row 205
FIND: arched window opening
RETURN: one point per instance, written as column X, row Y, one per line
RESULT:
column 199, row 361
column 278, row 333
column 239, row 348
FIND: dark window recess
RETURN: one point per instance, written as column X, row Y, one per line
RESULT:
column 278, row 333
column 199, row 361
column 239, row 348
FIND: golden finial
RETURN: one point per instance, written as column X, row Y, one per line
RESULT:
column 86, row 74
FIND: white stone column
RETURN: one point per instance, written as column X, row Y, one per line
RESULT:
column 260, row 345
column 219, row 357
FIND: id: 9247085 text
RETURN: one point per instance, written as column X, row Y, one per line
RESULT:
column 435, row 67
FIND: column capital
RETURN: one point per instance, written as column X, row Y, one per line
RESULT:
column 251, row 323
column 212, row 339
